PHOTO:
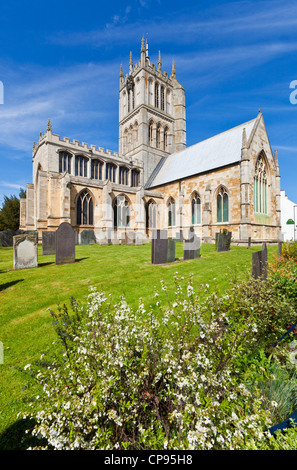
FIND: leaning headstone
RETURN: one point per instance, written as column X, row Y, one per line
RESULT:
column 171, row 250
column 259, row 269
column 25, row 251
column 65, row 244
column 280, row 249
column 159, row 246
column 87, row 237
column 48, row 243
column 192, row 246
column 223, row 240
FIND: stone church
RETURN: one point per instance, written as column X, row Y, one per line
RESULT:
column 229, row 181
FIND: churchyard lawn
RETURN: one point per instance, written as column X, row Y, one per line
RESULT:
column 27, row 295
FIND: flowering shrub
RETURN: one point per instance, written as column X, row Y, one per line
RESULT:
column 289, row 250
column 273, row 303
column 166, row 378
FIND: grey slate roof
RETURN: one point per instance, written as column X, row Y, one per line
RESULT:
column 218, row 151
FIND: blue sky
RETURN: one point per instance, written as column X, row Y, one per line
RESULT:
column 61, row 60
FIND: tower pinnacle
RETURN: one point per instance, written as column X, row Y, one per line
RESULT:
column 49, row 126
column 173, row 73
column 130, row 63
column 159, row 61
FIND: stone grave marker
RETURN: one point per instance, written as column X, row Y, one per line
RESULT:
column 159, row 246
column 280, row 249
column 192, row 246
column 223, row 240
column 259, row 269
column 139, row 238
column 87, row 237
column 65, row 244
column 6, row 236
column 103, row 237
column 129, row 238
column 48, row 243
column 179, row 236
column 171, row 250
column 25, row 251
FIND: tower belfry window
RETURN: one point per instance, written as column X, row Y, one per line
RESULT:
column 156, row 95
column 162, row 98
column 130, row 94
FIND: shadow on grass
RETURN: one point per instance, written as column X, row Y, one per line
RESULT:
column 48, row 263
column 16, row 437
column 9, row 284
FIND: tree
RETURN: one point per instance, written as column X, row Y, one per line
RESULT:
column 10, row 212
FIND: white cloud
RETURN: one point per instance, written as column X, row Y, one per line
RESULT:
column 71, row 96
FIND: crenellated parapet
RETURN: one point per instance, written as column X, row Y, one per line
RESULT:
column 75, row 147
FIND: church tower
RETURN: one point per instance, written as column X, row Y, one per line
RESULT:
column 152, row 112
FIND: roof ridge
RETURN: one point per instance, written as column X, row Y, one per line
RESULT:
column 216, row 135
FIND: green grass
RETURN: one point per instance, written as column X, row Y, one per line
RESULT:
column 26, row 295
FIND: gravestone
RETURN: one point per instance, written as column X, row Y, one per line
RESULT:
column 48, row 243
column 25, row 251
column 280, row 249
column 259, row 269
column 192, row 246
column 103, row 237
column 179, row 236
column 171, row 250
column 65, row 244
column 129, row 238
column 139, row 238
column 76, row 237
column 6, row 236
column 121, row 237
column 159, row 246
column 223, row 240
column 87, row 237
column 249, row 242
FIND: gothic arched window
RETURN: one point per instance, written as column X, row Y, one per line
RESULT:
column 110, row 172
column 121, row 212
column 81, row 166
column 162, row 98
column 196, row 209
column 123, row 175
column 159, row 136
column 135, row 178
column 84, row 209
column 157, row 99
column 151, row 215
column 96, row 169
column 260, row 187
column 222, row 206
column 171, row 213
column 166, row 139
column 151, row 130
column 64, row 162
